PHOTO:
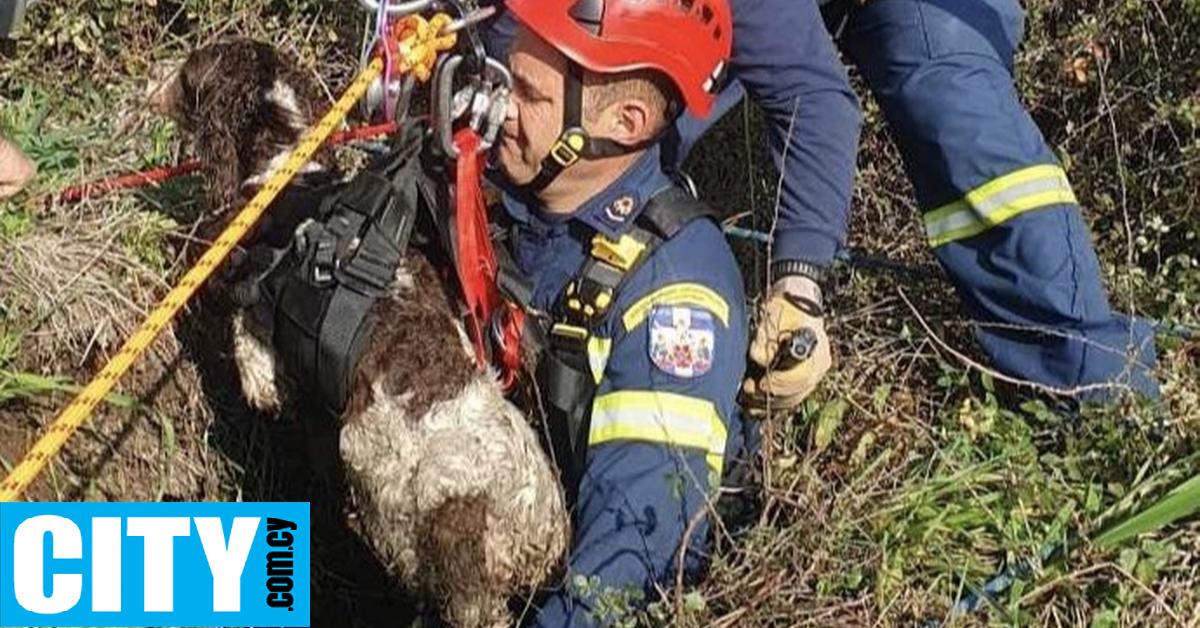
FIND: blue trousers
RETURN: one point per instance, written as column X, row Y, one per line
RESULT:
column 999, row 212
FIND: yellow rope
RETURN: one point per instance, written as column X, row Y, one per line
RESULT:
column 419, row 43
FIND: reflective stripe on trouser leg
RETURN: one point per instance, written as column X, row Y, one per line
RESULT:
column 1001, row 215
column 998, row 200
column 660, row 417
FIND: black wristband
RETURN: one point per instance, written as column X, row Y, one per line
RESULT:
column 794, row 267
column 806, row 305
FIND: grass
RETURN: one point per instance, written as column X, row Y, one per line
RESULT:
column 14, row 385
column 908, row 481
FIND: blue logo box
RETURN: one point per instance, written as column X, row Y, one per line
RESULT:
column 154, row 564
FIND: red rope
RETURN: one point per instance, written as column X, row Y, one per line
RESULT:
column 477, row 267
column 158, row 175
column 362, row 132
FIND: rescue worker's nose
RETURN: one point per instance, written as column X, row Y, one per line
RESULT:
column 510, row 113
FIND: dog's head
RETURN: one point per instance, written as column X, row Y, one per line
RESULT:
column 244, row 106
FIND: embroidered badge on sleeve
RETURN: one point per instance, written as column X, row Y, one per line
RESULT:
column 682, row 340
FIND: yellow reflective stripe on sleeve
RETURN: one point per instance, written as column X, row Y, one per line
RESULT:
column 677, row 294
column 660, row 417
column 598, row 350
column 997, row 201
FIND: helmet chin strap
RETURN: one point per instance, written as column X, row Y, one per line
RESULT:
column 573, row 142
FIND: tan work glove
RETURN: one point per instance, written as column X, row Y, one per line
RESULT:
column 790, row 352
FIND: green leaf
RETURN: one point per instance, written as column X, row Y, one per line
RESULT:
column 1106, row 618
column 1128, row 559
column 694, row 602
column 829, row 422
column 1179, row 503
column 15, row 384
column 1094, row 500
column 168, row 438
column 879, row 398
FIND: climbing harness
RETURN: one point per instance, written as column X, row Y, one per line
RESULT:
column 564, row 335
column 317, row 294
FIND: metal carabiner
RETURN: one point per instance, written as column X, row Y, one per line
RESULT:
column 485, row 99
column 497, row 111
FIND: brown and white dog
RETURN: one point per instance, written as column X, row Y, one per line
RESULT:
column 452, row 488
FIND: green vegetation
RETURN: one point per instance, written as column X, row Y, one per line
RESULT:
column 908, row 481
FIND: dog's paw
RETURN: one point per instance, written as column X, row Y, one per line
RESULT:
column 256, row 368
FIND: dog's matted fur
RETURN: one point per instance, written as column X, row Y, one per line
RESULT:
column 452, row 487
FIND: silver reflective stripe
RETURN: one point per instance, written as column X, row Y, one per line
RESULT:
column 998, row 201
column 660, row 417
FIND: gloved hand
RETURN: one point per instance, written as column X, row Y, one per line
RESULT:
column 790, row 352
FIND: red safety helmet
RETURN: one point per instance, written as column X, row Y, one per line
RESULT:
column 688, row 40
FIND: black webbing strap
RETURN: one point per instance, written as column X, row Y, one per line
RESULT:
column 343, row 264
column 385, row 201
column 564, row 374
column 566, row 149
column 567, row 388
column 670, row 211
column 574, row 143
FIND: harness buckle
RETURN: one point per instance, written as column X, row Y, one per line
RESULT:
column 568, row 148
column 316, row 247
column 569, row 336
column 622, row 253
column 322, row 276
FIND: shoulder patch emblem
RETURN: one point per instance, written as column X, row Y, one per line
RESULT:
column 682, row 340
column 620, row 208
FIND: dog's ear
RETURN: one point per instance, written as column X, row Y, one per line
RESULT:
column 217, row 147
column 232, row 110
column 244, row 103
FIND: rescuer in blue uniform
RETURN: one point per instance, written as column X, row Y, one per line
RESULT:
column 785, row 59
column 655, row 332
column 999, row 212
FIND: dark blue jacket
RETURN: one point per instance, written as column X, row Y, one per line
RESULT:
column 668, row 359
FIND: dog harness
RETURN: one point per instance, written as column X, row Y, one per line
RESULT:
column 319, row 292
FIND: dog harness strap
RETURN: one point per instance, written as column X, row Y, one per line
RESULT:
column 341, row 265
column 369, row 257
column 567, row 383
column 382, row 205
column 364, row 266
column 346, row 327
